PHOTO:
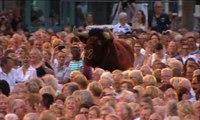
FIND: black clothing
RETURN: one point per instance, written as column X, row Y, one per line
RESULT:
column 159, row 24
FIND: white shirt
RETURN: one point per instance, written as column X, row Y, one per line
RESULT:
column 30, row 72
column 121, row 29
column 12, row 77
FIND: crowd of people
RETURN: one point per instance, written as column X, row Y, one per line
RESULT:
column 43, row 75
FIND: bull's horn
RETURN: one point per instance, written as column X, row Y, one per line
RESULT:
column 83, row 36
column 108, row 35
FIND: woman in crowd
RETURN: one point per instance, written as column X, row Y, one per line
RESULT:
column 139, row 21
column 76, row 62
column 26, row 72
column 41, row 66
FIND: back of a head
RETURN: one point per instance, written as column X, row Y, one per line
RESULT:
column 11, row 116
column 4, row 87
column 47, row 115
column 31, row 116
column 47, row 100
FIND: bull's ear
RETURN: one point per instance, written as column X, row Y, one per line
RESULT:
column 108, row 35
column 83, row 36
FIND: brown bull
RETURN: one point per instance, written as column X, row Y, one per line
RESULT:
column 103, row 51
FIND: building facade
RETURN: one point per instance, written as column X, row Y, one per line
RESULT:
column 58, row 13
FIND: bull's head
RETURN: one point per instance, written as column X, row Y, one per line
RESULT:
column 97, row 41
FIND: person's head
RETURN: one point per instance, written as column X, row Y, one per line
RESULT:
column 46, row 46
column 171, row 108
column 158, row 48
column 47, row 100
column 4, row 87
column 108, row 101
column 149, row 80
column 135, row 107
column 106, row 83
column 105, row 110
column 109, row 92
column 183, row 93
column 124, row 111
column 7, row 63
column 47, row 115
column 191, row 41
column 89, row 18
column 157, row 75
column 3, row 103
column 172, row 47
column 69, row 88
column 25, row 59
column 33, row 100
column 31, row 116
column 126, row 84
column 136, row 76
column 71, row 104
column 57, row 109
column 19, row 107
column 112, row 117
column 97, row 73
column 185, row 83
column 175, row 81
column 166, row 75
column 94, row 112
column 158, row 7
column 11, row 116
column 83, row 96
column 76, row 53
column 146, row 70
column 123, row 17
column 184, row 108
column 46, row 55
column 196, row 108
column 155, row 116
column 152, row 91
column 61, row 57
column 146, row 102
column 137, row 47
column 196, row 83
column 127, row 96
column 35, row 55
column 184, row 49
column 190, row 68
column 176, row 66
column 38, row 44
column 145, row 114
column 96, row 88
column 81, row 80
column 141, row 16
column 84, row 109
column 50, row 80
column 155, row 38
column 47, row 90
column 170, row 94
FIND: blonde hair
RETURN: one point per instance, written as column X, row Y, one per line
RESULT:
column 47, row 115
column 137, row 74
column 152, row 91
column 51, row 81
column 48, row 90
column 175, row 81
column 35, row 50
column 96, row 88
column 185, row 107
column 149, row 80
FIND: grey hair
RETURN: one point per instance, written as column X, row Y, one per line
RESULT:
column 122, row 15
